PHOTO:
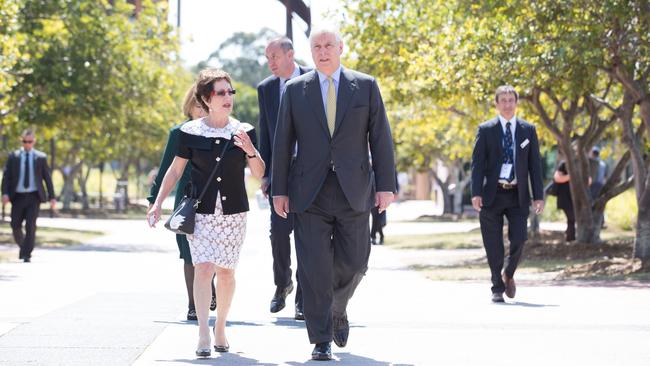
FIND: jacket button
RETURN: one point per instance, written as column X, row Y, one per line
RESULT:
column 223, row 198
column 217, row 142
column 218, row 179
column 218, row 159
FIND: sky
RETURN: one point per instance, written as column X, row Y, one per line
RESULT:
column 205, row 24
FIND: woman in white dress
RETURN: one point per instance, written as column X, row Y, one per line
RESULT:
column 221, row 216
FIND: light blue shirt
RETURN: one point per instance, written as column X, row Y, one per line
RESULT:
column 513, row 127
column 283, row 82
column 325, row 84
column 31, row 187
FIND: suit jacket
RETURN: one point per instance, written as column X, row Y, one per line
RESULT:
column 168, row 157
column 268, row 97
column 42, row 174
column 361, row 123
column 487, row 159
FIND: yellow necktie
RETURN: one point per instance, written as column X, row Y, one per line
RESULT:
column 331, row 106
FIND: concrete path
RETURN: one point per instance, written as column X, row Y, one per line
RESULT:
column 120, row 300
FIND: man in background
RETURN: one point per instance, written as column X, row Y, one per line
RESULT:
column 22, row 185
column 279, row 54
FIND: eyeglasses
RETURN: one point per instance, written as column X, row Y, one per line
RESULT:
column 222, row 93
column 28, row 141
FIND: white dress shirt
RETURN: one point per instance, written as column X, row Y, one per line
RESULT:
column 513, row 127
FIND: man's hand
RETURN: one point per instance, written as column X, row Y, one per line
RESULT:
column 281, row 205
column 538, row 205
column 477, row 203
column 383, row 200
column 265, row 186
column 5, row 199
column 53, row 204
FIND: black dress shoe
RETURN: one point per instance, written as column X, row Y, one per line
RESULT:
column 511, row 287
column 278, row 303
column 299, row 314
column 27, row 260
column 497, row 297
column 341, row 330
column 322, row 352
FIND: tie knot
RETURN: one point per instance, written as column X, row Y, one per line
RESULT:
column 330, row 79
column 508, row 125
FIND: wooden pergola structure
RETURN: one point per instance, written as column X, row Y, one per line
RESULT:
column 301, row 10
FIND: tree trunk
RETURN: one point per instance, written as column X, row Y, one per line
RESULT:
column 446, row 196
column 642, row 239
column 83, row 180
column 533, row 230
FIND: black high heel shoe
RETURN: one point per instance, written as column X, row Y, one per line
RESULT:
column 218, row 348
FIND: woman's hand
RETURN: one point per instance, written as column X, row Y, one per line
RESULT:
column 244, row 142
column 153, row 215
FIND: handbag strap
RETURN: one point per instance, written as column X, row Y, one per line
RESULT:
column 214, row 170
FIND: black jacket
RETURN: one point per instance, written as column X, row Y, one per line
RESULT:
column 487, row 159
column 229, row 179
column 42, row 174
column 268, row 97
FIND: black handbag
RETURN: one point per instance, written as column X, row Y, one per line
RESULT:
column 551, row 189
column 182, row 220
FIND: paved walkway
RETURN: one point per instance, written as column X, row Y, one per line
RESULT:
column 120, row 300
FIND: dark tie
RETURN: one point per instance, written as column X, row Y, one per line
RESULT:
column 26, row 176
column 508, row 157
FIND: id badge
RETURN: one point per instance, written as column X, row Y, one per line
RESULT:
column 505, row 171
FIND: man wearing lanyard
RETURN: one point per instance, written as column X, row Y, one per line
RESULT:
column 506, row 154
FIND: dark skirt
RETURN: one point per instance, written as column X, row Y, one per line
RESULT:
column 181, row 240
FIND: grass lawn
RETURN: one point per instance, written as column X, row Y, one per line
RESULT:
column 547, row 259
column 48, row 237
column 436, row 241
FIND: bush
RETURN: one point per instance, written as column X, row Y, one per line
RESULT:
column 621, row 211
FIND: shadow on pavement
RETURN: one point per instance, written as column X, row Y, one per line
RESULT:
column 528, row 305
column 289, row 323
column 229, row 358
column 350, row 359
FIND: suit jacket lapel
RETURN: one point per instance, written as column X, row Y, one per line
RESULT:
column 315, row 98
column 519, row 138
column 347, row 87
column 274, row 99
column 499, row 133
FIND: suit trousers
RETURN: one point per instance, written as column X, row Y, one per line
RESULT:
column 506, row 203
column 333, row 247
column 281, row 229
column 25, row 207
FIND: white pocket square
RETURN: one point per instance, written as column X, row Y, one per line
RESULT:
column 524, row 144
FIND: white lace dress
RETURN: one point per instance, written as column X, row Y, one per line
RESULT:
column 217, row 238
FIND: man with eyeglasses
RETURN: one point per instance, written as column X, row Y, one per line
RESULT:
column 22, row 184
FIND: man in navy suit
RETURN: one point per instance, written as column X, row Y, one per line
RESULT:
column 22, row 184
column 505, row 156
column 279, row 53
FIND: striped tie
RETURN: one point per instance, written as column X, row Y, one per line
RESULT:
column 331, row 106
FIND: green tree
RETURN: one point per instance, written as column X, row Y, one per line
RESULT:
column 450, row 52
column 11, row 42
column 101, row 82
column 242, row 56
